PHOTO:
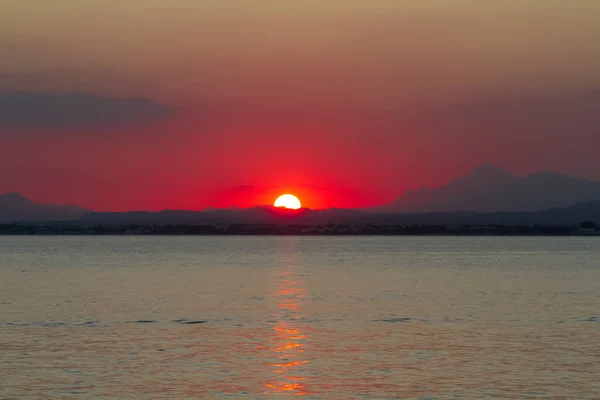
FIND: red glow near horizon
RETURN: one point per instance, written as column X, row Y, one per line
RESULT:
column 249, row 164
column 315, row 197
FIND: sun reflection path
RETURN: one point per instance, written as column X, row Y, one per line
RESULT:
column 287, row 359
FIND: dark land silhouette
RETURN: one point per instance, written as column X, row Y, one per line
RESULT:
column 489, row 199
column 14, row 207
column 489, row 188
column 268, row 215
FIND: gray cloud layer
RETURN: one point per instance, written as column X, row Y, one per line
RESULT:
column 20, row 109
column 527, row 123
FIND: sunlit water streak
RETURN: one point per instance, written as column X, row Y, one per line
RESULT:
column 316, row 318
column 289, row 339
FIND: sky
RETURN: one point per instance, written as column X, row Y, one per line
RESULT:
column 147, row 104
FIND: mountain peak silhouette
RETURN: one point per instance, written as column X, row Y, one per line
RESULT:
column 14, row 198
column 15, row 207
column 489, row 188
column 489, row 171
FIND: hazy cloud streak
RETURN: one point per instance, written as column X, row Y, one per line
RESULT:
column 21, row 109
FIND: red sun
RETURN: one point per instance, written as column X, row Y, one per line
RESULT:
column 288, row 201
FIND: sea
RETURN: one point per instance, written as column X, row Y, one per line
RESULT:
column 267, row 317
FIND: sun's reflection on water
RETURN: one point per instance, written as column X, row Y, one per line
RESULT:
column 287, row 346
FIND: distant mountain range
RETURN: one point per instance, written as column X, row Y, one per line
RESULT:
column 255, row 215
column 575, row 214
column 489, row 188
column 14, row 207
column 488, row 195
column 589, row 211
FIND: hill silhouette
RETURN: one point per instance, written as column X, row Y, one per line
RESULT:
column 487, row 195
column 489, row 188
column 267, row 215
column 254, row 215
column 15, row 208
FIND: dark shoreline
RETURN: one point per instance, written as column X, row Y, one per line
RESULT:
column 296, row 230
column 319, row 235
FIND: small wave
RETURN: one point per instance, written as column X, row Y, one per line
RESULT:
column 393, row 320
column 184, row 321
column 40, row 323
column 592, row 318
column 52, row 324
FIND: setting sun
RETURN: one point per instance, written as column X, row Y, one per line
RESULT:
column 288, row 201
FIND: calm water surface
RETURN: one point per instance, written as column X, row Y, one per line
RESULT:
column 320, row 318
